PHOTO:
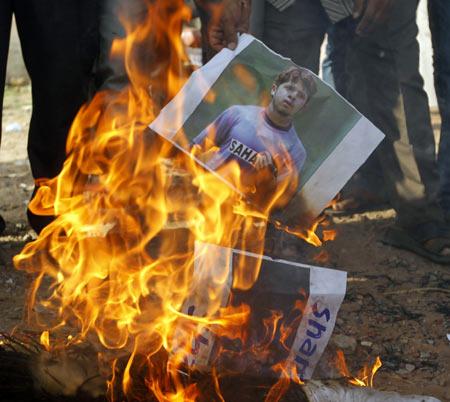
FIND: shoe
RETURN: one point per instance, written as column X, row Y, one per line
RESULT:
column 38, row 222
column 429, row 240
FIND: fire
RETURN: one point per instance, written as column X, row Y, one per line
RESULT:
column 364, row 377
column 309, row 230
column 329, row 235
column 367, row 374
column 45, row 340
column 114, row 268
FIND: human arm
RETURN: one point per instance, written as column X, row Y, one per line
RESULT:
column 263, row 159
column 291, row 161
column 372, row 13
column 228, row 18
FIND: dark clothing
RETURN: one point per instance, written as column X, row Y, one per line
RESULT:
column 59, row 44
column 384, row 83
column 297, row 32
column 386, row 70
column 369, row 178
column 111, row 72
column 152, row 50
column 339, row 38
column 439, row 14
column 58, row 39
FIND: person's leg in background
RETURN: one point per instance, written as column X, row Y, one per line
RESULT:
column 111, row 71
column 386, row 65
column 439, row 15
column 5, row 32
column 153, row 54
column 365, row 191
column 297, row 32
column 59, row 46
column 339, row 37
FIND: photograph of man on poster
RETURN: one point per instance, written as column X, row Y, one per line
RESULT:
column 272, row 131
column 262, row 141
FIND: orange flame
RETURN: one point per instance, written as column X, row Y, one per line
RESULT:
column 45, row 340
column 364, row 377
column 329, row 235
column 115, row 266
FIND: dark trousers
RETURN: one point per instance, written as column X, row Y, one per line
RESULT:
column 384, row 84
column 58, row 40
column 151, row 53
column 369, row 179
column 439, row 14
column 339, row 38
column 111, row 71
column 59, row 44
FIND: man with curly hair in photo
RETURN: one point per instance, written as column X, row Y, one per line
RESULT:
column 261, row 140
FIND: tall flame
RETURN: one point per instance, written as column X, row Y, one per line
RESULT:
column 115, row 266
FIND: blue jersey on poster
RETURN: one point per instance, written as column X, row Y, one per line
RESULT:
column 243, row 131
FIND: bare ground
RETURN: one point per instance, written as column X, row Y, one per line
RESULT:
column 397, row 304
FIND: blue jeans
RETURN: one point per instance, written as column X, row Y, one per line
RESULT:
column 439, row 14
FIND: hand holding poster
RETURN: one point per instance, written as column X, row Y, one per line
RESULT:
column 264, row 125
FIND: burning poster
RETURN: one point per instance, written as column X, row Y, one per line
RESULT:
column 292, row 310
column 266, row 126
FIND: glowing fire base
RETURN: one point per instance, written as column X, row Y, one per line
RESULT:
column 28, row 373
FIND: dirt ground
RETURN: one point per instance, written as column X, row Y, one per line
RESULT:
column 396, row 307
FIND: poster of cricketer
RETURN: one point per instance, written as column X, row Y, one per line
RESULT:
column 264, row 125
